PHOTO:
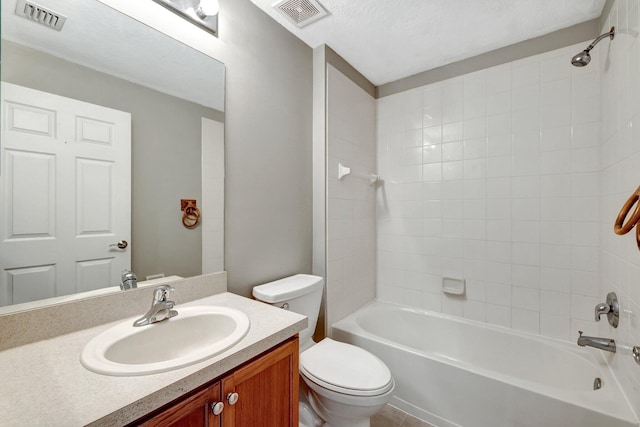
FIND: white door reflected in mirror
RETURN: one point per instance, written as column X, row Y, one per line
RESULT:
column 66, row 188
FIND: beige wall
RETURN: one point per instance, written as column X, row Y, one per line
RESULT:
column 267, row 146
column 166, row 154
column 351, row 201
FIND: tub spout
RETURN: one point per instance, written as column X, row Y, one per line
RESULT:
column 606, row 344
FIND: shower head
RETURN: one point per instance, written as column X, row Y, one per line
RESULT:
column 583, row 58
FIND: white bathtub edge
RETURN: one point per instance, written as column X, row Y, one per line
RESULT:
column 619, row 401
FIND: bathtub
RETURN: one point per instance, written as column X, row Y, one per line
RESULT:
column 454, row 372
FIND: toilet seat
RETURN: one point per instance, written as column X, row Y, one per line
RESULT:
column 345, row 368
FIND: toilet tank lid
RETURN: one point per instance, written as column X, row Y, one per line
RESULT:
column 288, row 288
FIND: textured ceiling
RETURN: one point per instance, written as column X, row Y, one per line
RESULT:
column 106, row 40
column 387, row 40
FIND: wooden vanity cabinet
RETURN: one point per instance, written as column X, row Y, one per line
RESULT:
column 264, row 392
column 193, row 411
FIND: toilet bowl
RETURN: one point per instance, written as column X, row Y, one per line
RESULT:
column 342, row 385
column 345, row 384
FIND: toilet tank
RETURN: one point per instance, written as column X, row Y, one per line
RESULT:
column 301, row 293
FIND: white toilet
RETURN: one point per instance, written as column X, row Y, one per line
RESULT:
column 344, row 384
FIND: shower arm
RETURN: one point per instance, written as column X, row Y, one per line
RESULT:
column 611, row 34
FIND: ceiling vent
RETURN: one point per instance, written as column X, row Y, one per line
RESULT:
column 40, row 14
column 301, row 12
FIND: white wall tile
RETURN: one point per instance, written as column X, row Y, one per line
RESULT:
column 475, row 310
column 475, row 189
column 525, row 97
column 525, row 320
column 452, row 151
column 498, row 315
column 555, row 326
column 498, row 79
column 499, row 144
column 525, row 276
column 432, row 135
column 432, row 302
column 498, row 188
column 432, row 172
column 556, row 92
column 555, row 162
column 452, row 132
column 555, row 279
column 525, row 253
column 453, row 306
column 556, row 186
column 499, row 103
column 555, row 303
column 452, row 112
column 525, row 72
column 452, row 170
column 511, row 188
column 615, row 89
column 557, row 138
column 525, row 298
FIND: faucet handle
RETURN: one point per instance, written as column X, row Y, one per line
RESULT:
column 600, row 309
column 161, row 293
column 127, row 274
column 128, row 280
column 611, row 308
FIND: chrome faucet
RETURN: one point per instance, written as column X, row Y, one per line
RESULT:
column 611, row 308
column 601, row 309
column 161, row 307
column 606, row 344
column 128, row 280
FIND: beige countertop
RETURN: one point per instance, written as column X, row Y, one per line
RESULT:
column 44, row 384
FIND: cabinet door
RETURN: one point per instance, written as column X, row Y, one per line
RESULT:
column 267, row 390
column 194, row 411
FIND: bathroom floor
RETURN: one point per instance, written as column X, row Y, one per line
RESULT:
column 393, row 417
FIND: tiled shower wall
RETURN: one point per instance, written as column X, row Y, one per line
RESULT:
column 351, row 253
column 619, row 62
column 493, row 177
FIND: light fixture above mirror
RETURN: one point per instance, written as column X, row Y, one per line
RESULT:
column 203, row 13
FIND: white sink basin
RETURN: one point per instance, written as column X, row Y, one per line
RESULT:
column 195, row 334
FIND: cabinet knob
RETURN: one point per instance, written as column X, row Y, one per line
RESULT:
column 232, row 398
column 217, row 408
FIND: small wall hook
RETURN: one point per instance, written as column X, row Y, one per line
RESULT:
column 191, row 215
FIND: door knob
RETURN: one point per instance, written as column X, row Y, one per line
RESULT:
column 217, row 408
column 122, row 244
column 232, row 398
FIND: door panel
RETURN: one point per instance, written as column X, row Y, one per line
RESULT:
column 26, row 284
column 30, row 195
column 95, row 204
column 31, row 119
column 91, row 131
column 94, row 274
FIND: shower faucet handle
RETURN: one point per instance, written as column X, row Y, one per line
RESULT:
column 611, row 308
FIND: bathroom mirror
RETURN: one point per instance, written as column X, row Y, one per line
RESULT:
column 174, row 95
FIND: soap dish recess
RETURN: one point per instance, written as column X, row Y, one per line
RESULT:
column 453, row 286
